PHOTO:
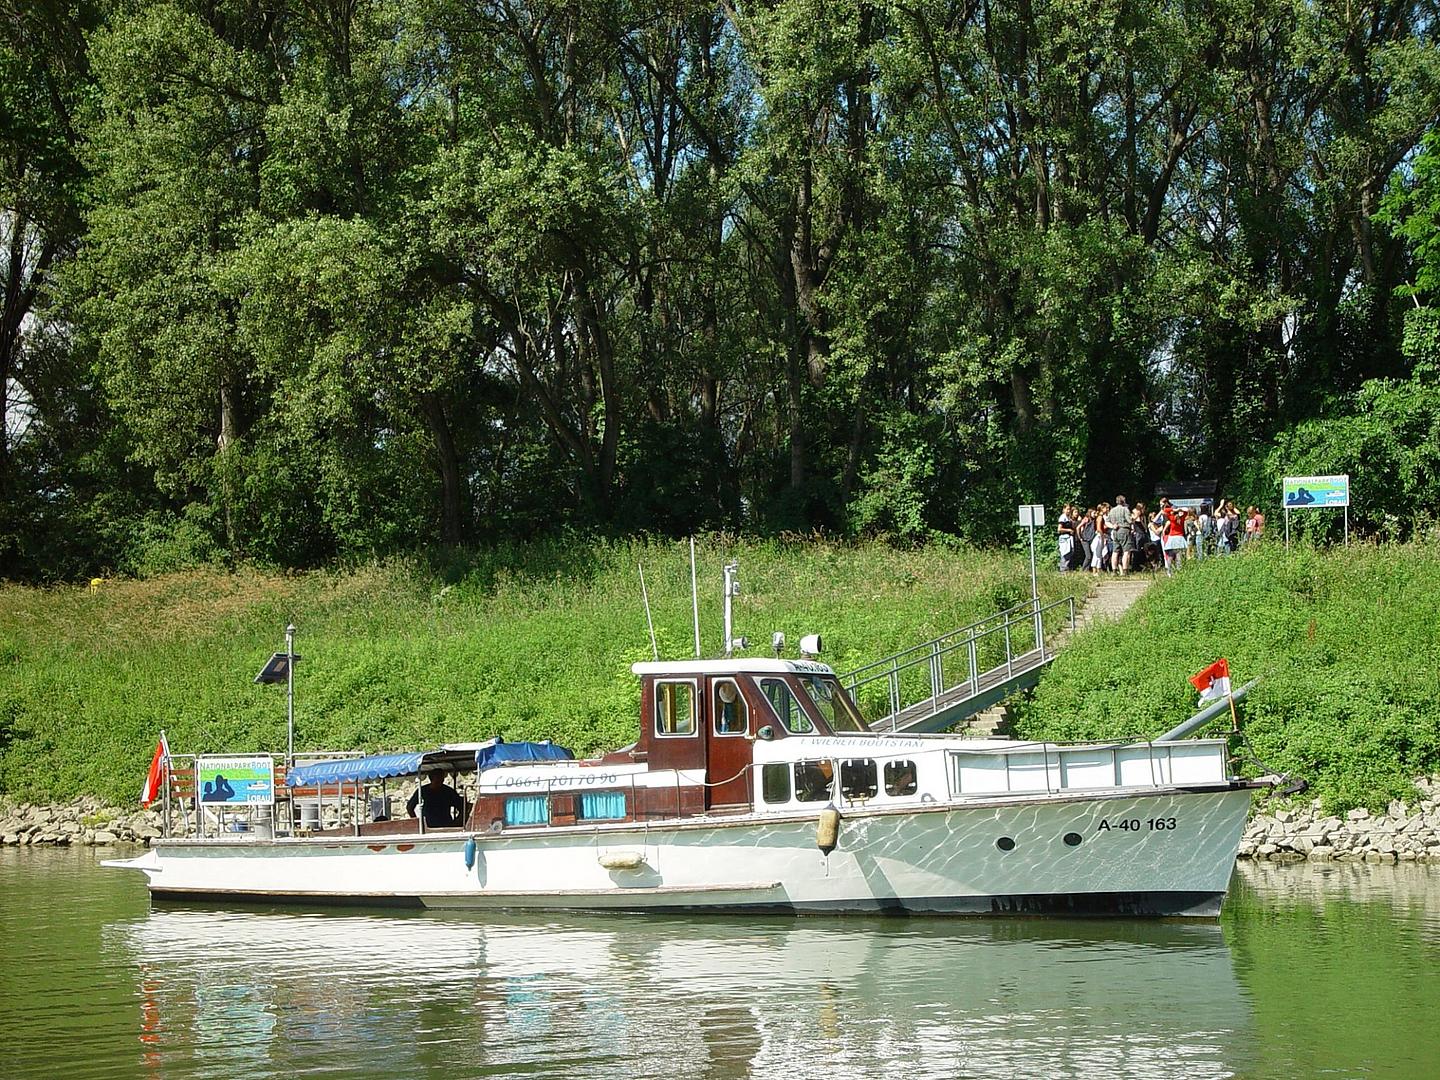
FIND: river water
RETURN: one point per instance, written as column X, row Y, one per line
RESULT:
column 1312, row 971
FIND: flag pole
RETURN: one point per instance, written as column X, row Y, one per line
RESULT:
column 1234, row 717
column 1204, row 716
column 166, row 774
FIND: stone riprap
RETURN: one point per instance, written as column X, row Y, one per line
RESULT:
column 1401, row 834
column 85, row 820
column 90, row 822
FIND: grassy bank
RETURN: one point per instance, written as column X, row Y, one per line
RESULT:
column 1347, row 643
column 524, row 642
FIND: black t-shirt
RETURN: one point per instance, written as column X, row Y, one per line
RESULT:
column 443, row 806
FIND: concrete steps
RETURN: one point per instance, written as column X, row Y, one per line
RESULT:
column 1109, row 598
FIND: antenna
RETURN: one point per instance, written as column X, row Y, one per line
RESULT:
column 694, row 598
column 645, row 594
column 732, row 588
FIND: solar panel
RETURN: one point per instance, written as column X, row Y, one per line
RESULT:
column 277, row 668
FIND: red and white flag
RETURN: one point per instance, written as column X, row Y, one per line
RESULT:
column 159, row 768
column 1213, row 682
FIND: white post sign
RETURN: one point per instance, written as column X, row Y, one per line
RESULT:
column 1032, row 515
column 1315, row 491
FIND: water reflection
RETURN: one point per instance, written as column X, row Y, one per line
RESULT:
column 1339, row 960
column 266, row 993
column 1320, row 971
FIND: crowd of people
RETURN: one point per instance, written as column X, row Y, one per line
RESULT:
column 1122, row 539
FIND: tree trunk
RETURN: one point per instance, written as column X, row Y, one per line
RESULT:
column 229, row 432
column 447, row 460
column 794, row 382
column 19, row 297
column 1023, row 399
column 593, row 327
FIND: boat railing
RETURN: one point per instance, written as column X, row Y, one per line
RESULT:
column 1031, row 769
column 1009, row 641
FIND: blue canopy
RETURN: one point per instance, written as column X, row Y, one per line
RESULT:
column 348, row 769
column 501, row 752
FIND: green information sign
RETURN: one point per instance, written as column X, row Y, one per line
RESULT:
column 236, row 781
column 1315, row 492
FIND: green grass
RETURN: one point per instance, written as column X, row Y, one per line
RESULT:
column 1346, row 642
column 525, row 641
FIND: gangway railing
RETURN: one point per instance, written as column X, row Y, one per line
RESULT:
column 1001, row 647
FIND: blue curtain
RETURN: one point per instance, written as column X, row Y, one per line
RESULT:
column 527, row 810
column 604, row 805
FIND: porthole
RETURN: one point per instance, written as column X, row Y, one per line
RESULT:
column 1072, row 839
column 1005, row 843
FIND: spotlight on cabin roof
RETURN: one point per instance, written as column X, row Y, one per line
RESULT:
column 777, row 641
column 810, row 646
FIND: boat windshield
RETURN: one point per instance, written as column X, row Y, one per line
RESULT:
column 791, row 714
column 833, row 703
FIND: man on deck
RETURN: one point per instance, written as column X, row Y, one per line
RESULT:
column 443, row 806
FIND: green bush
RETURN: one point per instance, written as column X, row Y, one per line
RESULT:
column 1344, row 640
column 1388, row 441
column 167, row 543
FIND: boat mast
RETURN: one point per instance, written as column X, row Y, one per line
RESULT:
column 694, row 598
column 290, row 696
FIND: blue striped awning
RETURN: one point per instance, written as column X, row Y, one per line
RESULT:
column 347, row 769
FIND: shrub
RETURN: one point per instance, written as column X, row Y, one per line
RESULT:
column 1388, row 440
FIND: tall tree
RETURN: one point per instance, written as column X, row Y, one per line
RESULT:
column 43, row 78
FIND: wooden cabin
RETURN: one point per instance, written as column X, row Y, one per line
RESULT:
column 699, row 721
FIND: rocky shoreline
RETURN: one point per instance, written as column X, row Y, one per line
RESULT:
column 84, row 821
column 1285, row 834
column 1401, row 834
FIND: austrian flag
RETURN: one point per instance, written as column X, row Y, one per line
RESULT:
column 1213, row 682
column 159, row 767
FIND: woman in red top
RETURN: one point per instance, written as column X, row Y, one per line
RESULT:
column 1172, row 537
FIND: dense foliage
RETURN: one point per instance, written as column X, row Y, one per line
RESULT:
column 1345, row 642
column 523, row 641
column 291, row 279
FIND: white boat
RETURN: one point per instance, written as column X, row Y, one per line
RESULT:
column 754, row 785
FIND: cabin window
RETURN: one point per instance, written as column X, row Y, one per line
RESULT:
column 675, row 708
column 775, row 783
column 786, row 707
column 812, row 780
column 899, row 778
column 731, row 715
column 527, row 810
column 859, row 779
column 602, row 806
column 833, row 703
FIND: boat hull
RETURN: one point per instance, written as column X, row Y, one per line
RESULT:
column 1164, row 852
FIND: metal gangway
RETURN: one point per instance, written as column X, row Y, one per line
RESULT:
column 936, row 685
